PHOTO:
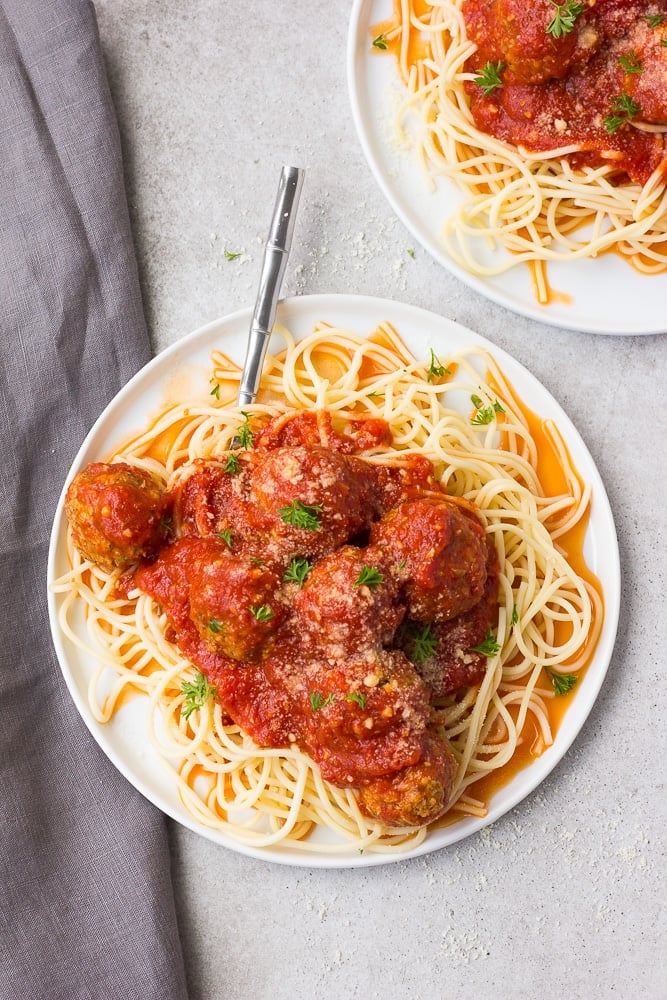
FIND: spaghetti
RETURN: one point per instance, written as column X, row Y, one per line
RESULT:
column 460, row 414
column 557, row 145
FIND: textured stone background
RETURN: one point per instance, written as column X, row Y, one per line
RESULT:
column 561, row 898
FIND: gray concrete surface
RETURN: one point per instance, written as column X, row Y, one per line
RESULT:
column 564, row 896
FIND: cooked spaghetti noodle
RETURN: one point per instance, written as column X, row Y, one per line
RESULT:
column 549, row 609
column 540, row 205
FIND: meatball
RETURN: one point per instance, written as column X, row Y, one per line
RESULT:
column 118, row 514
column 514, row 33
column 212, row 498
column 452, row 663
column 362, row 716
column 308, row 501
column 349, row 602
column 443, row 552
column 647, row 88
column 416, row 795
column 235, row 604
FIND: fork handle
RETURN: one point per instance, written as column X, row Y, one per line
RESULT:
column 274, row 263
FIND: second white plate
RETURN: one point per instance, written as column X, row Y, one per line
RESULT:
column 605, row 295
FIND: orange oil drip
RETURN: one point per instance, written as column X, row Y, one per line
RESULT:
column 389, row 30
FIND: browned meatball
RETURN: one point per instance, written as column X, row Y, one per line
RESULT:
column 235, row 604
column 118, row 514
column 447, row 660
column 361, row 716
column 308, row 501
column 416, row 795
column 515, row 33
column 348, row 602
column 443, row 552
column 212, row 498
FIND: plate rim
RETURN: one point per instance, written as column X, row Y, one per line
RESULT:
column 533, row 311
column 316, row 306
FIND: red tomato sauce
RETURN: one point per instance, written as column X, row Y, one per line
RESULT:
column 327, row 599
column 588, row 87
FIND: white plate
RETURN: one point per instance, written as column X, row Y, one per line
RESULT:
column 607, row 295
column 182, row 373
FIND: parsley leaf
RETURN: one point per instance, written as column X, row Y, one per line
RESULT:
column 489, row 78
column 301, row 515
column 631, row 63
column 489, row 647
column 215, row 391
column 625, row 108
column 436, row 370
column 563, row 20
column 225, row 536
column 485, row 414
column 561, row 683
column 230, row 255
column 216, row 626
column 297, row 571
column 380, row 42
column 369, row 577
column 232, row 465
column 357, row 696
column 263, row 613
column 423, row 643
column 514, row 620
column 197, row 693
column 317, row 701
column 244, row 434
column 654, row 20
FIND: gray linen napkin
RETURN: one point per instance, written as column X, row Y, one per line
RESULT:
column 86, row 902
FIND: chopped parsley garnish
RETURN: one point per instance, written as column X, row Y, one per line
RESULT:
column 317, row 701
column 369, row 577
column 423, row 643
column 244, row 434
column 297, row 571
column 435, row 369
column 230, row 255
column 232, row 465
column 485, row 414
column 514, row 620
column 654, row 20
column 197, row 693
column 380, row 42
column 301, row 515
column 357, row 696
column 489, row 78
column 410, row 252
column 563, row 20
column 216, row 626
column 263, row 613
column 489, row 647
column 215, row 391
column 561, row 683
column 377, row 393
column 626, row 109
column 630, row 63
column 225, row 536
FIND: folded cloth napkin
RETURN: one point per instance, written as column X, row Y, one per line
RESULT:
column 86, row 902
